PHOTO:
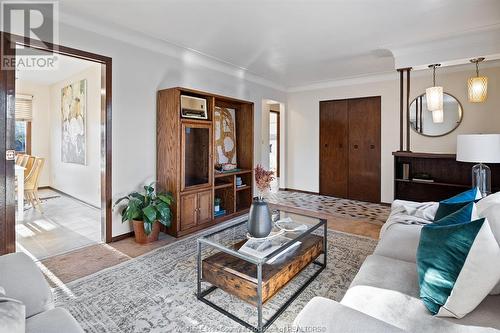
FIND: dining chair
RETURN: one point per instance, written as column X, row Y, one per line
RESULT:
column 31, row 183
column 29, row 165
column 24, row 160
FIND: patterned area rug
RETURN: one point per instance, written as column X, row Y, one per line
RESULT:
column 155, row 292
column 351, row 209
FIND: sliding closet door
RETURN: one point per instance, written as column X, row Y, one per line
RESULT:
column 364, row 149
column 333, row 150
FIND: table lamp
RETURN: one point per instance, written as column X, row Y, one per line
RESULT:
column 479, row 148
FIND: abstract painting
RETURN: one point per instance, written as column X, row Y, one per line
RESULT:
column 74, row 121
column 225, row 136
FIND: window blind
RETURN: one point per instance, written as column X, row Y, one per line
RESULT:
column 24, row 107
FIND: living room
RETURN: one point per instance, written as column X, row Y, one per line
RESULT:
column 200, row 99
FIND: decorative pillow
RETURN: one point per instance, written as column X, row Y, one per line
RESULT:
column 451, row 205
column 455, row 265
column 489, row 207
column 463, row 215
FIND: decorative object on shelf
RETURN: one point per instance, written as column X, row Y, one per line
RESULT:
column 435, row 123
column 479, row 148
column 217, row 202
column 225, row 136
column 434, row 94
column 193, row 107
column 73, row 123
column 406, row 171
column 239, row 181
column 478, row 85
column 228, row 166
column 259, row 219
column 147, row 211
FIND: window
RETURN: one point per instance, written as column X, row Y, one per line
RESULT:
column 24, row 110
column 23, row 137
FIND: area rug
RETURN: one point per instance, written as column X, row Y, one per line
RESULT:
column 156, row 292
column 335, row 207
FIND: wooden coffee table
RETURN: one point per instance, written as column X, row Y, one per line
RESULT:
column 253, row 280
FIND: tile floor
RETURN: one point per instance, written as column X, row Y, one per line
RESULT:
column 64, row 225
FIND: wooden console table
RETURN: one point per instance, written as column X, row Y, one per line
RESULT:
column 449, row 176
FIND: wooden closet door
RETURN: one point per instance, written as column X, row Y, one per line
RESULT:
column 364, row 149
column 333, row 150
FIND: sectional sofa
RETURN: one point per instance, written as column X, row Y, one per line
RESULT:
column 25, row 291
column 384, row 295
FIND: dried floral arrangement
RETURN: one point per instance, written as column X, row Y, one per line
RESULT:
column 263, row 179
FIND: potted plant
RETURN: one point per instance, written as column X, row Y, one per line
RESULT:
column 147, row 211
column 259, row 219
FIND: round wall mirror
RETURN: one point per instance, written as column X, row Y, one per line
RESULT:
column 435, row 123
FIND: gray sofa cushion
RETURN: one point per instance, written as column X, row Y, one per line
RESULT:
column 12, row 315
column 400, row 241
column 23, row 281
column 57, row 320
column 387, row 289
column 325, row 315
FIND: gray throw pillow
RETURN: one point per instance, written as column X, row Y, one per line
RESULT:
column 12, row 314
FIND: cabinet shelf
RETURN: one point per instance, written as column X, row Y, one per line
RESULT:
column 219, row 186
column 246, row 187
column 432, row 183
column 226, row 174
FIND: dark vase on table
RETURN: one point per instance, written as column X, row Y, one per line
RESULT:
column 260, row 222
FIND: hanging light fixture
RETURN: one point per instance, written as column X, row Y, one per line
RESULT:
column 478, row 86
column 438, row 116
column 434, row 94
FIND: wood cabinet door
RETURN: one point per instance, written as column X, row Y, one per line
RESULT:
column 333, row 148
column 364, row 149
column 196, row 155
column 204, row 207
column 188, row 210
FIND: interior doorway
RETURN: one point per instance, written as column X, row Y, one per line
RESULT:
column 274, row 141
column 55, row 192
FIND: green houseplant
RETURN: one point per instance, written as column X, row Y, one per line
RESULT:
column 147, row 211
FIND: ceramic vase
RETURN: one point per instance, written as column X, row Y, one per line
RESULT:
column 260, row 222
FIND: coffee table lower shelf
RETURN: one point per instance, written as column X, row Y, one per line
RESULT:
column 256, row 283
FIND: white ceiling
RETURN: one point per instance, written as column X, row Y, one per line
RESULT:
column 295, row 42
column 65, row 67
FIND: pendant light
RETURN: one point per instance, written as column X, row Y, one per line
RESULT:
column 478, row 86
column 434, row 94
column 438, row 116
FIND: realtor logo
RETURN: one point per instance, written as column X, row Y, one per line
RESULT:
column 37, row 21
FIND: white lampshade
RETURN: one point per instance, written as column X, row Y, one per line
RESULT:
column 478, row 148
column 434, row 96
column 438, row 116
column 478, row 89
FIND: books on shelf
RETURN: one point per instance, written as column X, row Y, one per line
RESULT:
column 261, row 248
column 220, row 213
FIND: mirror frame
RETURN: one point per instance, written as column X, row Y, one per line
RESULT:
column 437, row 136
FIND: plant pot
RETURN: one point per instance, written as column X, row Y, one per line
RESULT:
column 140, row 234
column 259, row 222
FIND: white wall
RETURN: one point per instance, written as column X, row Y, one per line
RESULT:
column 80, row 181
column 302, row 161
column 137, row 75
column 40, row 124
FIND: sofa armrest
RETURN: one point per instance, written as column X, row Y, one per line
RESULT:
column 325, row 315
column 23, row 280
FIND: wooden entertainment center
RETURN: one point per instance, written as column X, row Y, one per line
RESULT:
column 185, row 161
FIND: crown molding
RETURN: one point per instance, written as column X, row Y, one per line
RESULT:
column 392, row 76
column 168, row 48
